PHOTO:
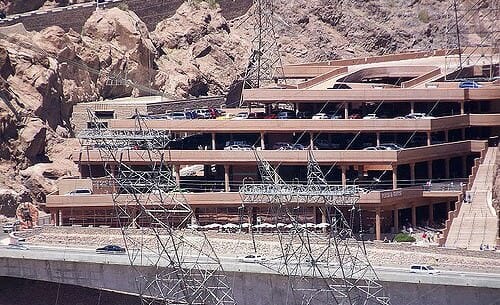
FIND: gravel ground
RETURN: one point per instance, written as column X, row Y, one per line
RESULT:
column 238, row 244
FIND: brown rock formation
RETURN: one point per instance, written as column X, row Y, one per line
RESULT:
column 199, row 53
column 118, row 42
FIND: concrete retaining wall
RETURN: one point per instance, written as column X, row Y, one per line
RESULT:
column 248, row 288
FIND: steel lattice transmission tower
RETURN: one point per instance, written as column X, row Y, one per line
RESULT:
column 331, row 267
column 264, row 64
column 172, row 267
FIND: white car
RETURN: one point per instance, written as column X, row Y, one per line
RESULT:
column 370, row 116
column 418, row 115
column 238, row 147
column 424, row 269
column 241, row 116
column 176, row 116
column 252, row 258
column 320, row 116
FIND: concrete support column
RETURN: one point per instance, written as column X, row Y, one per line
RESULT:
column 464, row 166
column 377, row 224
column 446, row 135
column 311, row 140
column 53, row 218
column 395, row 176
column 412, row 107
column 413, row 216
column 429, row 138
column 213, row 140
column 226, row 178
column 113, row 172
column 296, row 108
column 60, row 222
column 429, row 169
column 378, row 138
column 447, row 168
column 431, row 214
column 396, row 220
column 346, row 110
column 262, row 141
column 463, row 133
column 323, row 215
column 412, row 173
column 462, row 107
column 344, row 174
column 177, row 175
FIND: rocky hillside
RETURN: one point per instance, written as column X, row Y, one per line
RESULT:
column 195, row 52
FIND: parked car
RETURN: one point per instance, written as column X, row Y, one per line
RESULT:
column 298, row 147
column 227, row 116
column 80, row 192
column 111, row 249
column 176, row 116
column 426, row 269
column 391, row 146
column 241, row 116
column 238, row 147
column 304, row 115
column 271, row 116
column 256, row 115
column 324, row 144
column 203, row 113
column 320, row 116
column 374, row 148
column 334, row 116
column 355, row 116
column 287, row 115
column 252, row 258
column 282, row 146
column 190, row 115
column 10, row 227
column 469, row 84
column 418, row 115
column 370, row 116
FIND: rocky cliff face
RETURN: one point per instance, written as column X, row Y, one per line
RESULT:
column 195, row 52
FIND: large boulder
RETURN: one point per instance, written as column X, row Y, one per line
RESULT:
column 118, row 42
column 199, row 53
column 32, row 140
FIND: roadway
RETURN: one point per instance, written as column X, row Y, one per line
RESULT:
column 232, row 264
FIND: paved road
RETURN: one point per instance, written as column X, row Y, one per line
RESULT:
column 391, row 274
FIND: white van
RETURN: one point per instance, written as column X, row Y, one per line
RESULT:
column 426, row 269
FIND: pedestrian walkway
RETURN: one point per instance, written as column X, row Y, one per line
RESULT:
column 476, row 223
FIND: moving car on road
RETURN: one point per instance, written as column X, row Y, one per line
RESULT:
column 111, row 249
column 425, row 269
column 252, row 258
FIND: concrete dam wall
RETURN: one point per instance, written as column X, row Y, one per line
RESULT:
column 248, row 288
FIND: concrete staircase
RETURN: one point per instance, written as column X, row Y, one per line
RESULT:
column 476, row 222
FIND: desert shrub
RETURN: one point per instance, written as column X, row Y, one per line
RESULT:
column 423, row 16
column 404, row 237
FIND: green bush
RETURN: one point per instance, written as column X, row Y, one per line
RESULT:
column 404, row 237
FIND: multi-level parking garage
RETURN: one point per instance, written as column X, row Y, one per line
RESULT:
column 418, row 184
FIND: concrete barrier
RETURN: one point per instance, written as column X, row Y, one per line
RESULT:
column 248, row 288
